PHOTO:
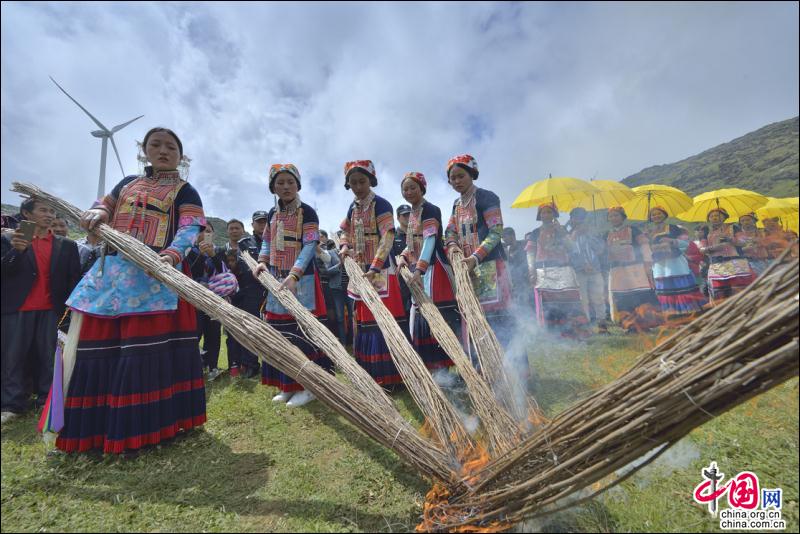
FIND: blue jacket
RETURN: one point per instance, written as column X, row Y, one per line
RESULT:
column 335, row 271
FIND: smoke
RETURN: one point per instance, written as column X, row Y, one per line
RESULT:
column 679, row 456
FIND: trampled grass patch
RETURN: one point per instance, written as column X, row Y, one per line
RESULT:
column 258, row 466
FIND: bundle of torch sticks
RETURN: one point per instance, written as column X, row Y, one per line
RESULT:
column 511, row 469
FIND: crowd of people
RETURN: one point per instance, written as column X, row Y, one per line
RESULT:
column 139, row 370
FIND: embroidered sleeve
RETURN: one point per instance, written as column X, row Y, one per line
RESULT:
column 425, row 255
column 385, row 220
column 310, row 240
column 109, row 202
column 182, row 242
column 345, row 227
column 494, row 220
column 191, row 221
column 266, row 239
column 451, row 232
column 263, row 254
column 430, row 228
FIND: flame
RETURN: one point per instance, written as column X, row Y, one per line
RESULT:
column 644, row 317
column 536, row 417
column 438, row 513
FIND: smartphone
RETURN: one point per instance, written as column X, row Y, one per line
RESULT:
column 27, row 228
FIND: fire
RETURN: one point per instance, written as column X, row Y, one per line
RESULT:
column 438, row 513
column 536, row 417
column 472, row 462
column 644, row 317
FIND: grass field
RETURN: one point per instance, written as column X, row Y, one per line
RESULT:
column 257, row 466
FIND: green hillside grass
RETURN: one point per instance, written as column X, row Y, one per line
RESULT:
column 764, row 161
column 261, row 467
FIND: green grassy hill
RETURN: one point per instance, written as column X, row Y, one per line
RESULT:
column 765, row 161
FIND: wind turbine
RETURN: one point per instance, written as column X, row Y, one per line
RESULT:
column 105, row 134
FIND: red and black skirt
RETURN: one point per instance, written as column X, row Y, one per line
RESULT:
column 287, row 325
column 137, row 381
column 369, row 345
column 422, row 338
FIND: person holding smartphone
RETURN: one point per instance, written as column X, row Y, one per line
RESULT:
column 39, row 271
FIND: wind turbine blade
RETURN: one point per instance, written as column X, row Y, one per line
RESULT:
column 117, row 128
column 113, row 144
column 97, row 122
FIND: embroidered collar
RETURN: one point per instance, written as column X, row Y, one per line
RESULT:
column 364, row 204
column 291, row 207
column 468, row 196
column 166, row 176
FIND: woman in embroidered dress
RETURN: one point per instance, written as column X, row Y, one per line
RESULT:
column 776, row 239
column 287, row 250
column 138, row 375
column 476, row 228
column 424, row 254
column 555, row 285
column 368, row 238
column 676, row 287
column 628, row 283
column 728, row 271
column 752, row 243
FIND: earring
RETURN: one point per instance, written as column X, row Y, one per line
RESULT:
column 183, row 167
column 140, row 157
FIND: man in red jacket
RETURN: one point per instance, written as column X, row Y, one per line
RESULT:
column 37, row 277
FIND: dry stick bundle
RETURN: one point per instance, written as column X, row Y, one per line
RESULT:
column 443, row 417
column 258, row 337
column 655, row 404
column 323, row 338
column 498, row 425
column 488, row 349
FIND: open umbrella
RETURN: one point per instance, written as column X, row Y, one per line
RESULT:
column 646, row 196
column 786, row 209
column 610, row 193
column 559, row 190
column 777, row 207
column 736, row 202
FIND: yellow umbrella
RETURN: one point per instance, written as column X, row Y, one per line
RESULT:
column 786, row 209
column 646, row 196
column 559, row 190
column 777, row 207
column 736, row 202
column 610, row 194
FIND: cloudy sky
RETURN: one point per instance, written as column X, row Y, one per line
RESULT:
column 585, row 90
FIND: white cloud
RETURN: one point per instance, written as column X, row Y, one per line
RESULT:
column 529, row 89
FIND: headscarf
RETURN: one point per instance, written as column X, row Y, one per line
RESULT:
column 278, row 168
column 724, row 213
column 466, row 162
column 620, row 210
column 417, row 177
column 662, row 209
column 550, row 205
column 363, row 165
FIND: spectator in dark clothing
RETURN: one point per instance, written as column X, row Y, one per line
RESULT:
column 60, row 226
column 38, row 276
column 403, row 212
column 332, row 268
column 518, row 266
column 10, row 222
column 89, row 250
column 323, row 260
column 250, row 296
column 205, row 260
column 346, row 301
column 253, row 242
